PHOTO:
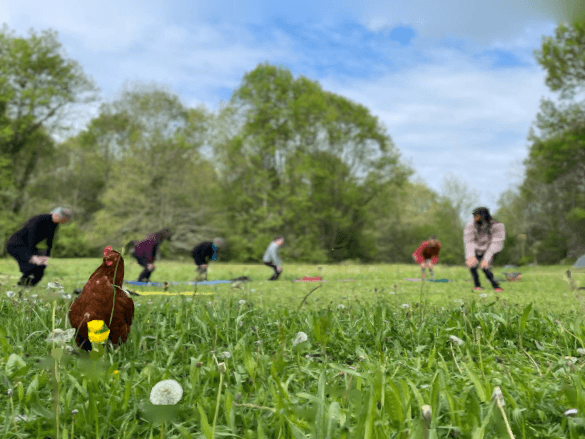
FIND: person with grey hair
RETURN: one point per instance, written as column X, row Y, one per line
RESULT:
column 22, row 246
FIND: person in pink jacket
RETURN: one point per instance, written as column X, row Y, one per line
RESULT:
column 483, row 238
column 427, row 254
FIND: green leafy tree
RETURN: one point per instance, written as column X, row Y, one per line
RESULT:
column 38, row 86
column 305, row 162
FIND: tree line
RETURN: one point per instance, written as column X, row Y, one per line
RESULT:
column 282, row 156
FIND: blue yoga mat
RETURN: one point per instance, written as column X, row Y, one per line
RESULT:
column 160, row 284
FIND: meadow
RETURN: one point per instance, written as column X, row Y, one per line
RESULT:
column 383, row 358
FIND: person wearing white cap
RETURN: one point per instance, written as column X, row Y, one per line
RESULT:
column 22, row 245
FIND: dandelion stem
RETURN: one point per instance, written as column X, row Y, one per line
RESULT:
column 217, row 405
column 305, row 298
column 505, row 420
column 13, row 417
column 535, row 364
column 162, row 431
column 456, row 364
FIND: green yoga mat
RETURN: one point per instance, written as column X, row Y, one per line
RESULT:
column 428, row 280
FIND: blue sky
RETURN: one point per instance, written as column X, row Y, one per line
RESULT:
column 454, row 82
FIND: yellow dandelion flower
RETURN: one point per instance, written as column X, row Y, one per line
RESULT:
column 115, row 372
column 99, row 338
column 95, row 325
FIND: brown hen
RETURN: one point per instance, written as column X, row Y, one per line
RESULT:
column 99, row 297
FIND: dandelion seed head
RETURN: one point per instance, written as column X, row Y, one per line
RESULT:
column 241, row 302
column 166, row 392
column 456, row 340
column 405, row 305
column 570, row 412
column 427, row 412
column 483, row 295
column 301, row 337
column 340, row 306
column 581, row 351
column 10, row 293
column 225, row 355
column 498, row 396
column 221, row 367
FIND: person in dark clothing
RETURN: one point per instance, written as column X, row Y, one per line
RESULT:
column 483, row 238
column 22, row 246
column 203, row 253
column 271, row 257
column 145, row 252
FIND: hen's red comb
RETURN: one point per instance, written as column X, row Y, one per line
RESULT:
column 107, row 250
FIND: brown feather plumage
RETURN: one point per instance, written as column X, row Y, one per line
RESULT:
column 97, row 299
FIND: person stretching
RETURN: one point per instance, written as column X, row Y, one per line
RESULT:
column 271, row 257
column 427, row 254
column 483, row 238
column 22, row 246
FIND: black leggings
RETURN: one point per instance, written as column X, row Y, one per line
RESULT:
column 487, row 271
column 276, row 272
column 145, row 275
column 31, row 273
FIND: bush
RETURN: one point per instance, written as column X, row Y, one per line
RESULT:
column 528, row 259
column 71, row 242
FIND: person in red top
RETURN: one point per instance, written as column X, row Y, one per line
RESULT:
column 427, row 254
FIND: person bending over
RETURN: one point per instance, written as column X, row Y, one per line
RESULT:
column 203, row 253
column 483, row 238
column 427, row 254
column 145, row 252
column 272, row 258
column 22, row 246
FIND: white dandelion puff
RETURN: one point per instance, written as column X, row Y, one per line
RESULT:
column 34, row 296
column 258, row 342
column 241, row 302
column 483, row 295
column 340, row 306
column 301, row 337
column 405, row 305
column 221, row 367
column 456, row 340
column 166, row 392
column 60, row 336
column 56, row 285
column 427, row 412
column 66, row 296
column 391, row 292
column 570, row 412
column 498, row 396
column 225, row 355
column 581, row 351
column 10, row 293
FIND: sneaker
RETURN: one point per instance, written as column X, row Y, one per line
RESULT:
column 478, row 288
column 498, row 290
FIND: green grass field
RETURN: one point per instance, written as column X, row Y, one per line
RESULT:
column 378, row 349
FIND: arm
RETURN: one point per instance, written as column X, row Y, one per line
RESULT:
column 417, row 253
column 469, row 241
column 50, row 241
column 497, row 242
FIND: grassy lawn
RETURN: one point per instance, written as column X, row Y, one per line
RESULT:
column 378, row 349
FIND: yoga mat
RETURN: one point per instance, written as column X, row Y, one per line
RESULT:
column 161, row 284
column 161, row 293
column 428, row 280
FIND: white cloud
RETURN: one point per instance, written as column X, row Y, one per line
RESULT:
column 455, row 116
column 104, row 26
